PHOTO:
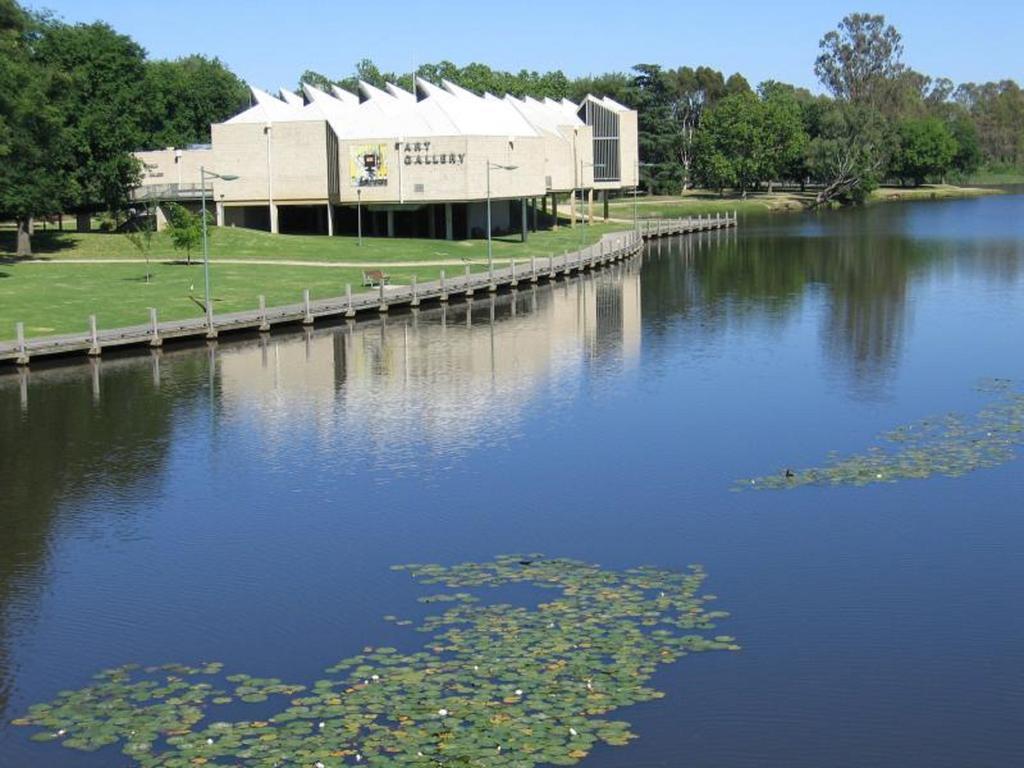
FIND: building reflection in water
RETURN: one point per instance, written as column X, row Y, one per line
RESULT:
column 441, row 376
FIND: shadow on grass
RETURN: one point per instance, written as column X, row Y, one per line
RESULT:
column 42, row 242
column 4, row 274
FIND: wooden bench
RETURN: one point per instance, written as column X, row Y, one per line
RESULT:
column 374, row 277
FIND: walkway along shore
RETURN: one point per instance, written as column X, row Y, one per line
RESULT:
column 612, row 247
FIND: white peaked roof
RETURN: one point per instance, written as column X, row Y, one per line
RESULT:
column 548, row 116
column 399, row 93
column 291, row 98
column 606, row 102
column 265, row 109
column 392, row 112
column 342, row 95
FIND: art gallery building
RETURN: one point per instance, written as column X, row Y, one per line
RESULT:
column 395, row 163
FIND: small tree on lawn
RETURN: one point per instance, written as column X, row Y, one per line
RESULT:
column 185, row 229
column 141, row 235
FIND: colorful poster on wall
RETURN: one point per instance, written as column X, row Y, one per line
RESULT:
column 368, row 166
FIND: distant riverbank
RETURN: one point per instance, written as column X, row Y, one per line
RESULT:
column 703, row 202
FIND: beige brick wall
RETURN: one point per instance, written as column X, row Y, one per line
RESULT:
column 294, row 152
column 173, row 166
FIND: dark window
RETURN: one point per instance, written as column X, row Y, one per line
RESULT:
column 605, row 125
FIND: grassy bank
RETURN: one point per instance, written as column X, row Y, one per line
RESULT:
column 703, row 203
column 56, row 291
column 929, row 192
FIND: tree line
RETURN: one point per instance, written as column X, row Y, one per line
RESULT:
column 879, row 121
column 77, row 99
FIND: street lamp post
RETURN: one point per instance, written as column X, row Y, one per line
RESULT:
column 498, row 166
column 203, row 173
column 359, row 217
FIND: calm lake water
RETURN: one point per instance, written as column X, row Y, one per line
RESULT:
column 243, row 503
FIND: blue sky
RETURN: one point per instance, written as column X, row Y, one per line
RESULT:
column 271, row 42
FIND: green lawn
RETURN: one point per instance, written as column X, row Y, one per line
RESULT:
column 236, row 243
column 52, row 297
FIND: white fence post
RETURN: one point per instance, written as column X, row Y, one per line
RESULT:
column 308, row 312
column 94, row 337
column 264, row 325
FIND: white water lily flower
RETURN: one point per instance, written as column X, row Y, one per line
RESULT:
column 519, row 691
column 572, row 731
column 442, row 712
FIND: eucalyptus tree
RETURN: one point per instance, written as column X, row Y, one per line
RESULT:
column 860, row 59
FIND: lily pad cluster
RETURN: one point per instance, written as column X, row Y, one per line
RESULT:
column 951, row 445
column 495, row 684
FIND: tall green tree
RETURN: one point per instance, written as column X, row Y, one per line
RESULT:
column 659, row 137
column 784, row 135
column 692, row 91
column 102, row 106
column 926, row 148
column 747, row 139
column 731, row 143
column 997, row 110
column 968, row 156
column 33, row 148
column 185, row 96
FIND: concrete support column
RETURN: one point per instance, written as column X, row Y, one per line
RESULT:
column 391, row 223
column 449, row 233
column 604, row 200
column 330, row 220
column 572, row 209
column 590, row 206
column 523, row 223
column 220, row 216
column 273, row 220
